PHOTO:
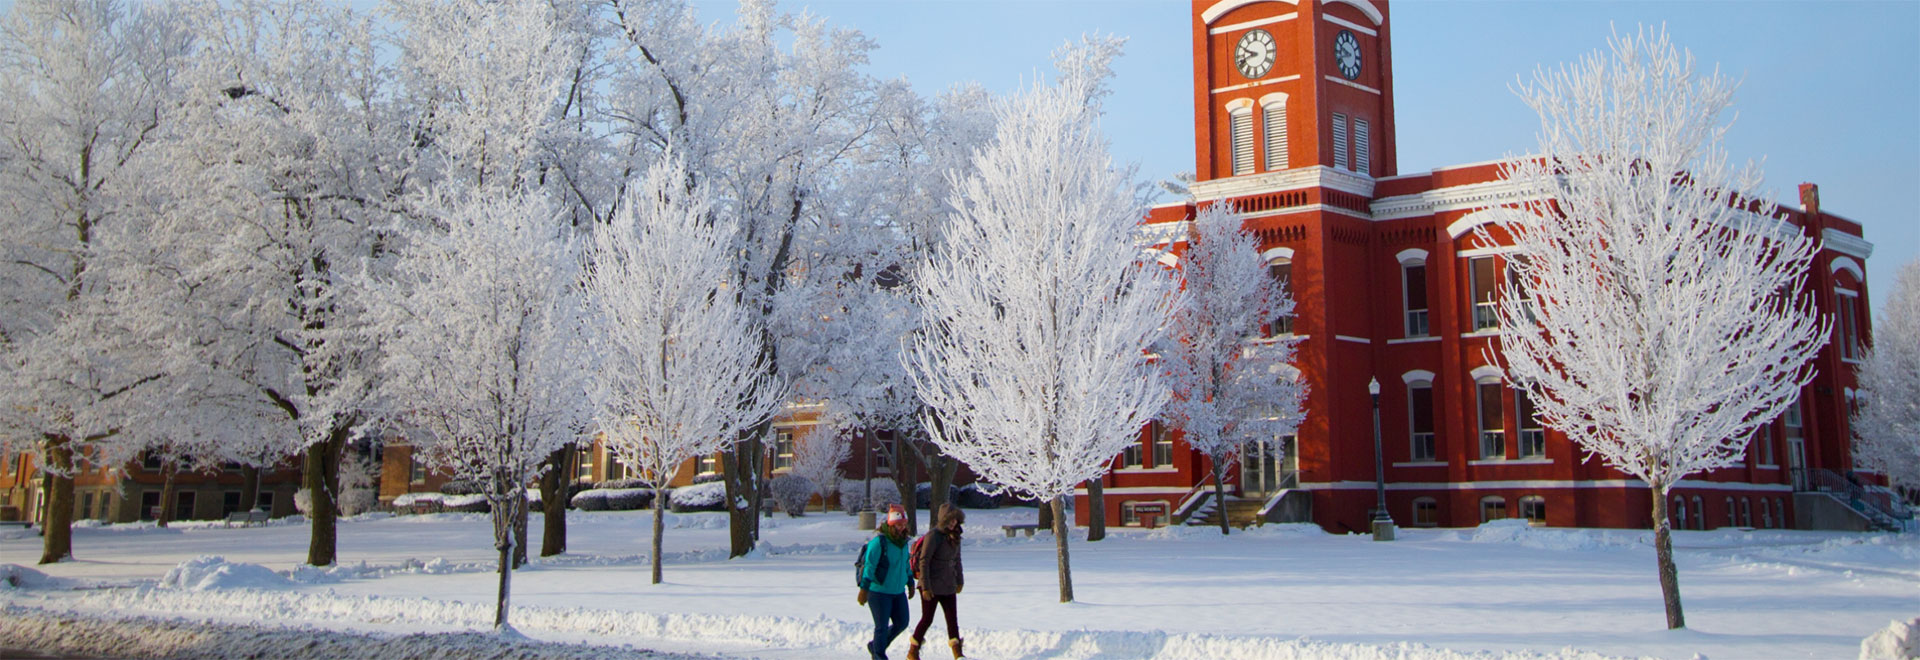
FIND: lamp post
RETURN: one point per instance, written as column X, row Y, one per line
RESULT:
column 1382, row 523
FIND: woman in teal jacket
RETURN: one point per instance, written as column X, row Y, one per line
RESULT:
column 885, row 581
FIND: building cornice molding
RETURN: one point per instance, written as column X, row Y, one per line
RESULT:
column 1452, row 198
column 1297, row 178
column 1847, row 244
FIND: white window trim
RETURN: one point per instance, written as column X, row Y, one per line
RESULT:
column 1486, row 373
column 1417, row 375
column 1416, row 255
column 1417, row 340
column 1419, row 464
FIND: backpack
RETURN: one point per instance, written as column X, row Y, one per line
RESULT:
column 914, row 560
column 860, row 563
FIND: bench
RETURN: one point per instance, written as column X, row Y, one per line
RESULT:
column 1029, row 528
column 22, row 524
column 246, row 518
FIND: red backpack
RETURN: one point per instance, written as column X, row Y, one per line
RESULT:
column 914, row 562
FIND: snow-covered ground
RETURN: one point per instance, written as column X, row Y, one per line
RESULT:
column 1504, row 590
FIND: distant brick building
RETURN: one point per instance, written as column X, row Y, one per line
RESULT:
column 133, row 491
column 1294, row 125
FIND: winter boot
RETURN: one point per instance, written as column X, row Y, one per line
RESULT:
column 955, row 645
column 913, row 649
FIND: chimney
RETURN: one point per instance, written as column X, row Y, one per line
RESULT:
column 1810, row 198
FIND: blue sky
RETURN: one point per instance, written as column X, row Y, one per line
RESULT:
column 1831, row 89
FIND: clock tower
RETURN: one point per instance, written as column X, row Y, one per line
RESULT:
column 1288, row 84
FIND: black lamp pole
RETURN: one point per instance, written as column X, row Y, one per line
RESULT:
column 1382, row 523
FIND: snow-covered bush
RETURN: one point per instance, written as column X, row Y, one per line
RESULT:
column 461, row 487
column 971, row 497
column 923, row 495
column 628, row 499
column 590, row 500
column 698, row 497
column 853, row 494
column 303, row 502
column 792, row 491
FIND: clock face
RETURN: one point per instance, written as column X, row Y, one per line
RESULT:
column 1254, row 55
column 1346, row 53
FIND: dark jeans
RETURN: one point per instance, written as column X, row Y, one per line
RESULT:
column 947, row 604
column 889, row 619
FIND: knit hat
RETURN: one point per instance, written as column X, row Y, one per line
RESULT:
column 895, row 514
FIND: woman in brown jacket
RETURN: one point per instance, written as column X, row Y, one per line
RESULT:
column 941, row 579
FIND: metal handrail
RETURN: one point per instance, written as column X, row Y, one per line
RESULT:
column 1193, row 498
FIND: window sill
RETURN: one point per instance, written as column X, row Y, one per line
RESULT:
column 1414, row 340
column 1167, row 469
column 1490, row 332
column 1421, row 464
column 1512, row 461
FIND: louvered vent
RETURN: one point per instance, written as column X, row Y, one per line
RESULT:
column 1243, row 142
column 1339, row 140
column 1276, row 119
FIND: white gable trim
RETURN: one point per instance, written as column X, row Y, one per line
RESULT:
column 1365, row 7
column 1221, row 8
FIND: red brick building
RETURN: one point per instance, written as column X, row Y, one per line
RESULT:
column 133, row 491
column 1294, row 125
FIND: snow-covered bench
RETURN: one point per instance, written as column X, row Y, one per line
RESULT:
column 246, row 518
column 1029, row 528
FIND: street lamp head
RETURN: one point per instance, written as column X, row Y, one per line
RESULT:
column 1373, row 386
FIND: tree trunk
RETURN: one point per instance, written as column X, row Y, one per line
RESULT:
column 1663, row 554
column 1046, row 516
column 321, row 476
column 659, row 527
column 168, row 469
column 1096, row 510
column 1059, row 508
column 503, row 539
column 57, row 543
column 250, row 488
column 1220, row 493
column 940, row 471
column 520, row 513
column 907, row 484
column 741, row 518
column 553, row 501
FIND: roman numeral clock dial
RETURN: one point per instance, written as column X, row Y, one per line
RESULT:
column 1346, row 53
column 1254, row 54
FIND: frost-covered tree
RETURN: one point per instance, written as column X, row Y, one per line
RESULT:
column 1654, row 315
column 1231, row 386
column 1886, row 426
column 485, row 349
column 679, row 371
column 1039, row 310
column 767, row 114
column 288, row 155
column 88, row 85
column 817, row 458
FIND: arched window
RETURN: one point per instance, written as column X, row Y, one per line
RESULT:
column 1420, row 420
column 1699, row 514
column 1492, row 507
column 1677, row 514
column 1413, row 290
column 1493, row 422
column 1534, row 509
column 1273, row 116
column 1746, row 512
column 1280, row 268
column 1426, row 512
